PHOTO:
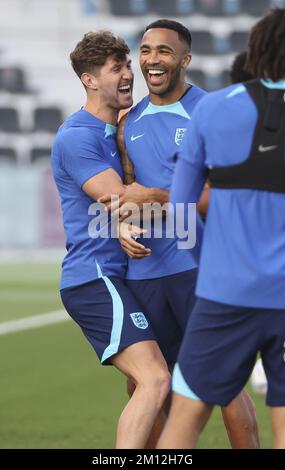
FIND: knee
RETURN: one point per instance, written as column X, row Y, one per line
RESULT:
column 156, row 382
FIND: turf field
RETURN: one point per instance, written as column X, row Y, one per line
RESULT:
column 53, row 392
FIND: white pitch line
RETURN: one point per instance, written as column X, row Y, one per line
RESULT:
column 35, row 321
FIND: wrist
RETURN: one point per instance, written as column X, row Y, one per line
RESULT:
column 157, row 195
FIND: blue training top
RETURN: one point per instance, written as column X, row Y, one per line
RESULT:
column 153, row 135
column 85, row 146
column 243, row 252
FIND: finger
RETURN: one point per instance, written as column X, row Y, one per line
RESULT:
column 123, row 215
column 105, row 198
column 135, row 245
column 134, row 256
column 115, row 204
column 138, row 230
column 135, row 250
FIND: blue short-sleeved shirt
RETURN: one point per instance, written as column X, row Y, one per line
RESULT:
column 153, row 135
column 243, row 253
column 85, row 146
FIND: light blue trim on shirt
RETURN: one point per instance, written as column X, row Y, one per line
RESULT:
column 110, row 130
column 180, row 386
column 237, row 91
column 280, row 85
column 174, row 108
column 118, row 317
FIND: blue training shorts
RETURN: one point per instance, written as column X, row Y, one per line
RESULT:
column 108, row 314
column 168, row 302
column 219, row 351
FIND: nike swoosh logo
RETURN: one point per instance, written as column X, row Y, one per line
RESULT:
column 113, row 154
column 135, row 137
column 261, row 148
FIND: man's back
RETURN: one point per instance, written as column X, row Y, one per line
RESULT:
column 243, row 256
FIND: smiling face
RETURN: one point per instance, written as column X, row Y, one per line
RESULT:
column 114, row 83
column 163, row 59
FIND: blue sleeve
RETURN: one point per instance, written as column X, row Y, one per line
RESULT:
column 192, row 148
column 188, row 182
column 190, row 171
column 81, row 155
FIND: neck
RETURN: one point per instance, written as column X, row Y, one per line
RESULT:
column 170, row 97
column 102, row 112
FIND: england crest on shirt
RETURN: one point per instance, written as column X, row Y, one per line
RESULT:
column 180, row 132
column 139, row 320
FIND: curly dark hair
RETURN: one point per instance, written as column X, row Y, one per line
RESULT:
column 94, row 49
column 237, row 72
column 266, row 47
column 183, row 32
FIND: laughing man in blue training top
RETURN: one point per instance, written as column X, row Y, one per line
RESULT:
column 85, row 162
column 149, row 138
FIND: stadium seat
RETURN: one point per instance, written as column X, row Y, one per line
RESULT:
column 47, row 119
column 172, row 7
column 255, row 7
column 221, row 44
column 278, row 3
column 12, row 79
column 9, row 120
column 238, row 41
column 225, row 79
column 218, row 7
column 197, row 77
column 202, row 42
column 215, row 82
column 8, row 155
column 40, row 154
column 129, row 7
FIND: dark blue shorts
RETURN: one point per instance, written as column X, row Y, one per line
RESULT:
column 220, row 347
column 108, row 314
column 168, row 302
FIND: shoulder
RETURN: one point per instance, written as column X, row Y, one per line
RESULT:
column 226, row 94
column 217, row 98
column 74, row 135
column 192, row 97
column 136, row 110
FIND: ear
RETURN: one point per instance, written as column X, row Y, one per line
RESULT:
column 89, row 81
column 186, row 60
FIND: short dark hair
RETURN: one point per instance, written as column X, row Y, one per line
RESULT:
column 237, row 72
column 94, row 49
column 266, row 47
column 183, row 32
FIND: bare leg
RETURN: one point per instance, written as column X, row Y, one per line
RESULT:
column 145, row 365
column 240, row 421
column 278, row 426
column 159, row 422
column 187, row 419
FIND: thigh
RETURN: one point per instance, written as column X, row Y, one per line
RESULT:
column 273, row 355
column 142, row 362
column 180, row 291
column 108, row 314
column 151, row 294
column 219, row 350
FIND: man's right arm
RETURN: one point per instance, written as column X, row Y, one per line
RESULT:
column 128, row 167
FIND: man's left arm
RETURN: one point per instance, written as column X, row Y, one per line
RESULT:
column 190, row 177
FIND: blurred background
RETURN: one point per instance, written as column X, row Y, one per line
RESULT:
column 48, row 385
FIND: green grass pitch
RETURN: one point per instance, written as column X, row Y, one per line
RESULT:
column 54, row 393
